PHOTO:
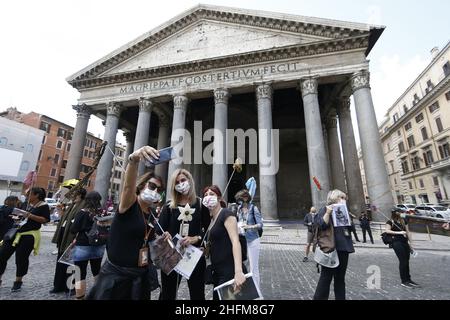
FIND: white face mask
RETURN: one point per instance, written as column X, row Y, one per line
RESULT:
column 150, row 196
column 183, row 187
column 210, row 202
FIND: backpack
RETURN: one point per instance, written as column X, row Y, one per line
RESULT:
column 99, row 232
column 260, row 230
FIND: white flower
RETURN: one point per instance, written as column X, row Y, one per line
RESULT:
column 186, row 213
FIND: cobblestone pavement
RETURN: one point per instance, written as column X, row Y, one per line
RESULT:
column 283, row 274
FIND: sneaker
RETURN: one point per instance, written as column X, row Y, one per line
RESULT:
column 414, row 284
column 54, row 252
column 17, row 286
column 305, row 259
column 407, row 285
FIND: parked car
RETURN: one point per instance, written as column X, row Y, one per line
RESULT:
column 434, row 211
column 51, row 203
column 407, row 208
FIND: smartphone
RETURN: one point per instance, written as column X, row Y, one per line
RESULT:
column 165, row 155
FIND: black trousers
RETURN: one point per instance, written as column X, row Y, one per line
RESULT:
column 22, row 250
column 403, row 252
column 369, row 231
column 61, row 276
column 327, row 275
column 96, row 265
column 196, row 283
column 353, row 230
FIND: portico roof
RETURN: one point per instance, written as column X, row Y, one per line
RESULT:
column 271, row 36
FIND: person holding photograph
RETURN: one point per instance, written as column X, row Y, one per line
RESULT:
column 191, row 224
column 398, row 228
column 27, row 238
column 223, row 239
column 128, row 273
column 336, row 201
column 250, row 219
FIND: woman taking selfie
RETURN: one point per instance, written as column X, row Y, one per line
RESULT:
column 126, row 275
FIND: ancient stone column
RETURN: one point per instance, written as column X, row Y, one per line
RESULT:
column 103, row 177
column 180, row 103
column 377, row 179
column 78, row 140
column 220, row 168
column 267, row 155
column 163, row 142
column 334, row 147
column 317, row 159
column 356, row 199
column 143, row 128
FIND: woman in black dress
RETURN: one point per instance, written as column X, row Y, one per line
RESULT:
column 223, row 238
column 128, row 273
column 191, row 226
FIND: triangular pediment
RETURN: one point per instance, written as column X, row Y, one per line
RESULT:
column 209, row 40
column 208, row 32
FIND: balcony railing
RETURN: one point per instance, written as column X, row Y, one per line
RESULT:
column 443, row 164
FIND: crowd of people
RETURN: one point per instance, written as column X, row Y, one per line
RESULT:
column 229, row 239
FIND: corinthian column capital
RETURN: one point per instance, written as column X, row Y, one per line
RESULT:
column 264, row 91
column 145, row 105
column 221, row 95
column 114, row 109
column 180, row 101
column 343, row 105
column 308, row 86
column 360, row 80
column 83, row 111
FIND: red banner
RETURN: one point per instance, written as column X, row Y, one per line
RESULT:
column 317, row 183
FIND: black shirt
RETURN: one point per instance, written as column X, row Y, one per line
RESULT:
column 398, row 226
column 41, row 211
column 82, row 224
column 126, row 237
column 6, row 222
column 168, row 220
column 221, row 246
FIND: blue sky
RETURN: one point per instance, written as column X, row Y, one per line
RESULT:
column 48, row 40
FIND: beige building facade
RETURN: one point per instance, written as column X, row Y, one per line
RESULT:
column 416, row 136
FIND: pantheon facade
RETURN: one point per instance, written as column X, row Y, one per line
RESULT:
column 229, row 68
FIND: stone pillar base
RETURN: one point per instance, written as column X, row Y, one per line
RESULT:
column 272, row 225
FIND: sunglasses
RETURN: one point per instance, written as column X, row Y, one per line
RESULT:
column 153, row 186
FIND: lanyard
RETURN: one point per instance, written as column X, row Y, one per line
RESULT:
column 211, row 225
column 147, row 231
